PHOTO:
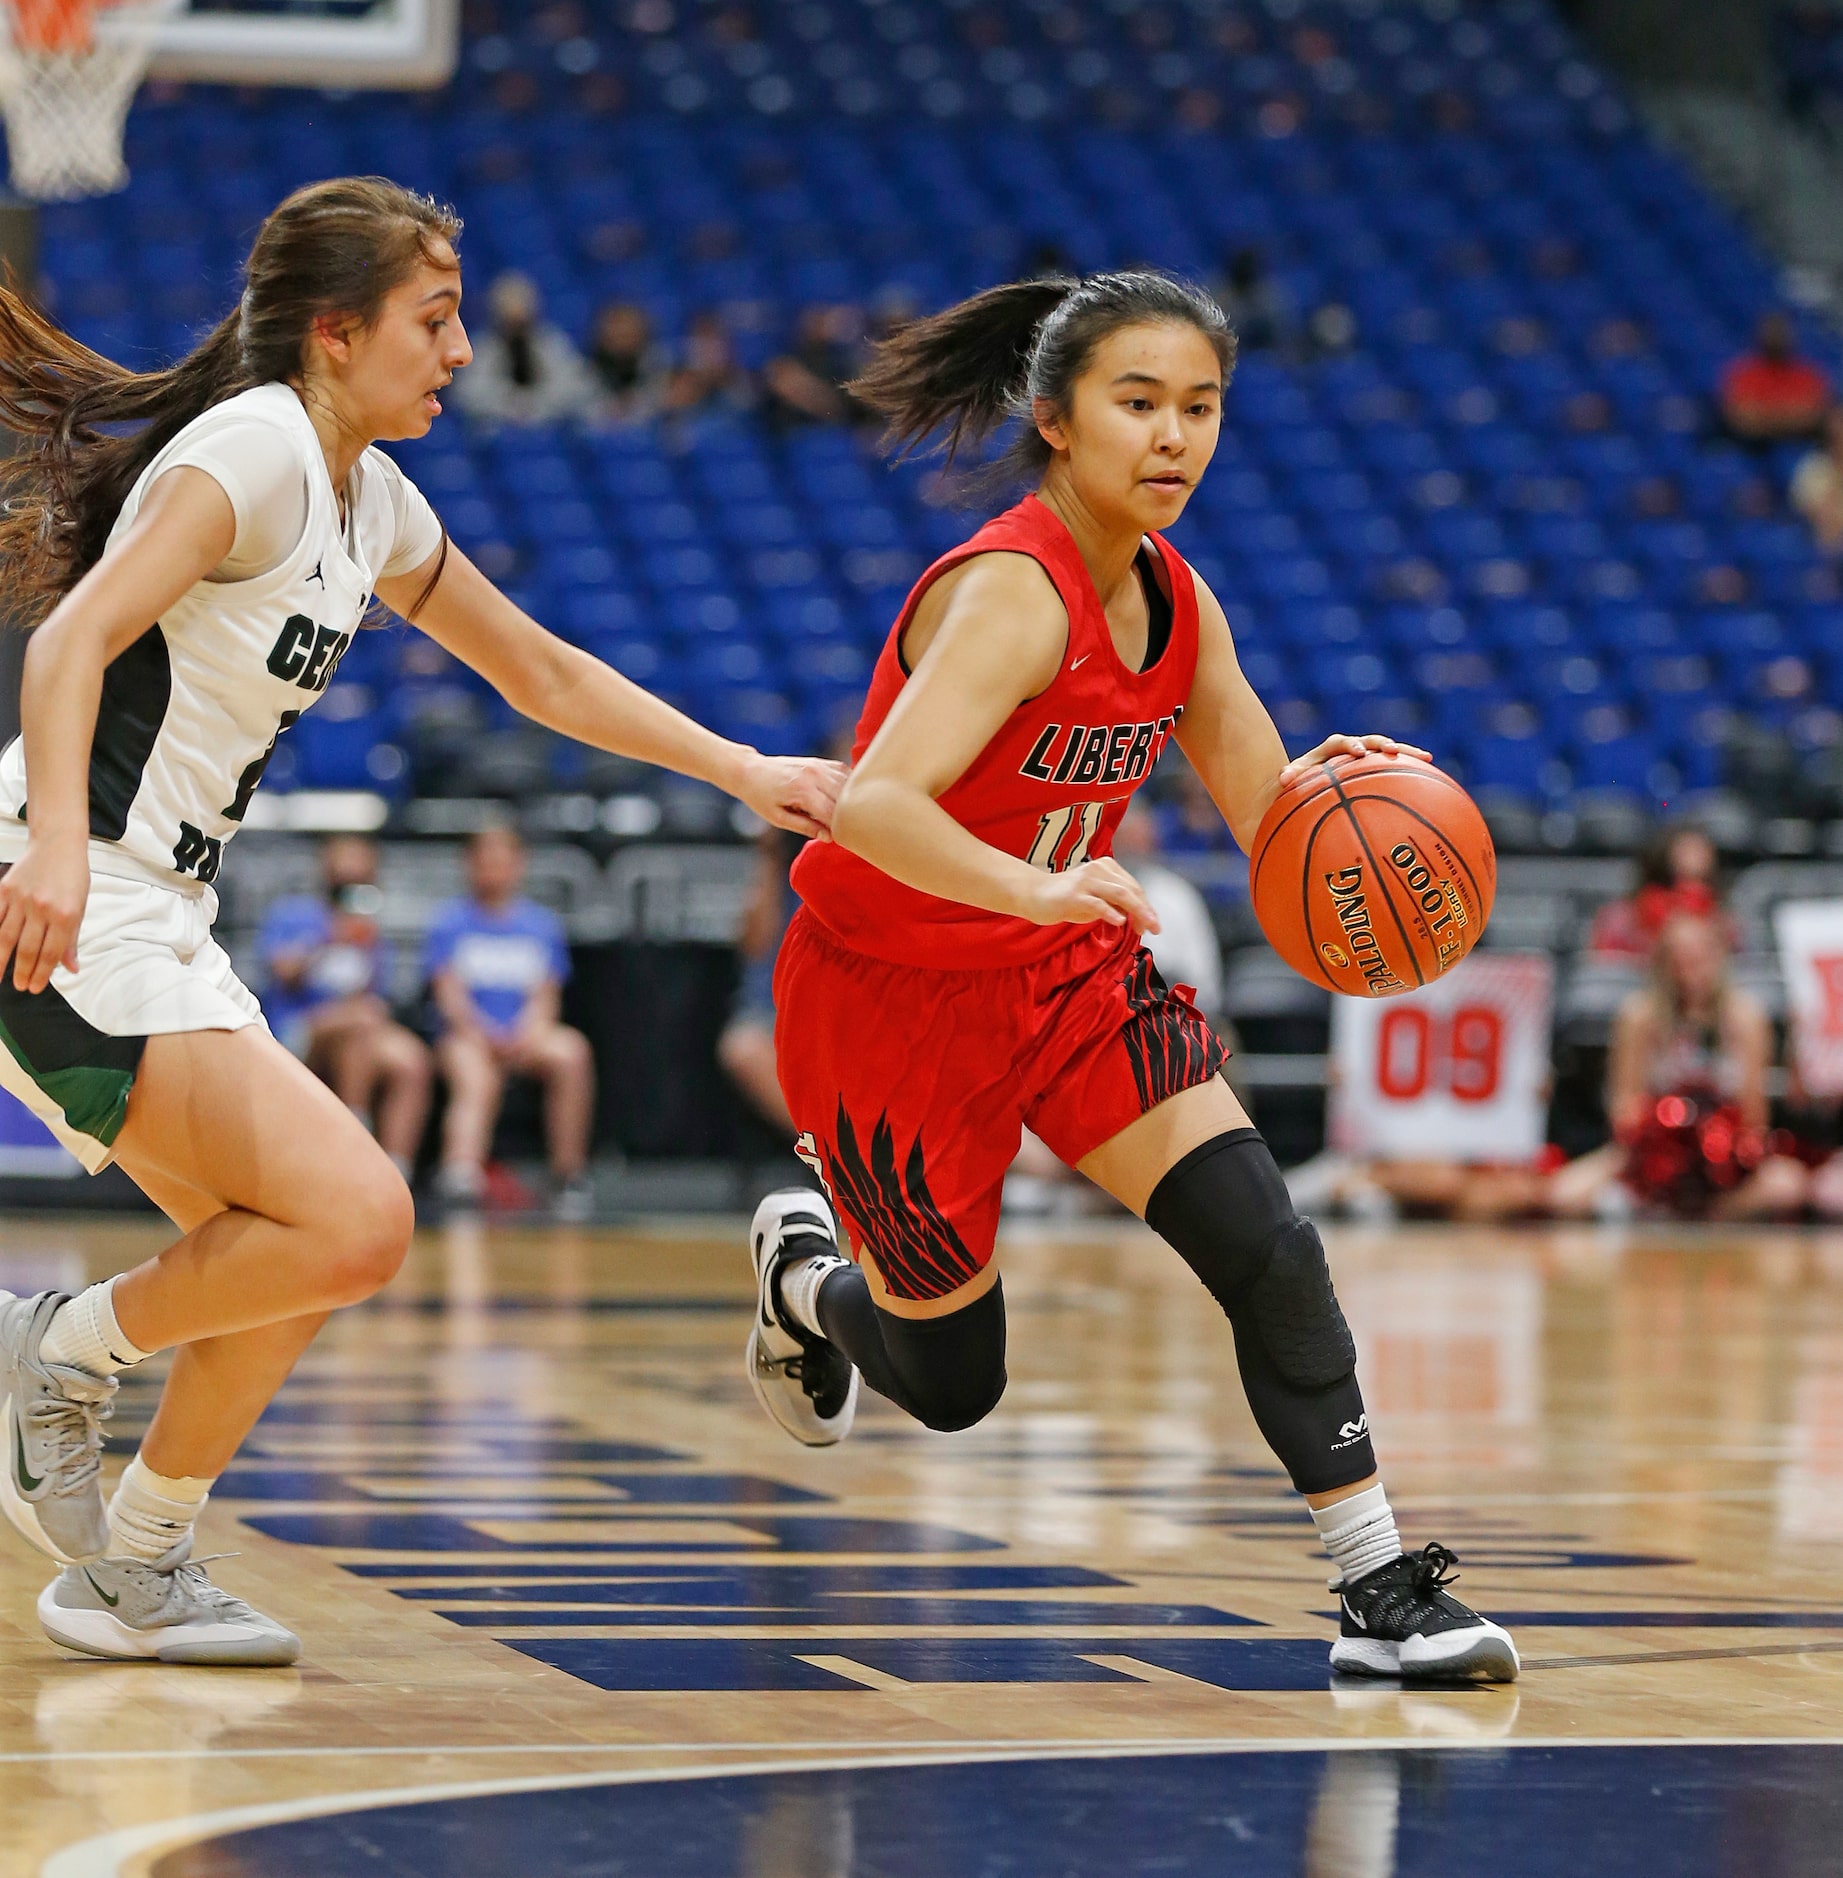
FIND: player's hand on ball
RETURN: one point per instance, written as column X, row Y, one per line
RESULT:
column 1096, row 890
column 796, row 792
column 42, row 897
column 1342, row 745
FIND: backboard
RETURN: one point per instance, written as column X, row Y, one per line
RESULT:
column 338, row 44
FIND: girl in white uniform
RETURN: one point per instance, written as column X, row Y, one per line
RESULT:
column 202, row 565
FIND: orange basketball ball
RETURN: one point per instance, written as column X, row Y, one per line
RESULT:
column 1373, row 874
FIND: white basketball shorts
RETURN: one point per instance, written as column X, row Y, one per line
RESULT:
column 147, row 966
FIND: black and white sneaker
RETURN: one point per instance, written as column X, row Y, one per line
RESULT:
column 807, row 1385
column 1399, row 1621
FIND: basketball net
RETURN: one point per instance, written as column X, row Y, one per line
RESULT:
column 67, row 79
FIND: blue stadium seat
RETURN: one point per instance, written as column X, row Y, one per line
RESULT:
column 1501, row 475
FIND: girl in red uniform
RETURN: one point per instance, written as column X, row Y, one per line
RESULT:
column 966, row 960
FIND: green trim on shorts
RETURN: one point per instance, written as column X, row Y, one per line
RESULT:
column 85, row 1071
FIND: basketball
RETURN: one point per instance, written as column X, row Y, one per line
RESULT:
column 1373, row 874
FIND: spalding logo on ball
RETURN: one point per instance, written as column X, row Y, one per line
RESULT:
column 1373, row 874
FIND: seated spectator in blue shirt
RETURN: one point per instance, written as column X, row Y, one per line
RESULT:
column 497, row 964
column 746, row 1047
column 328, row 973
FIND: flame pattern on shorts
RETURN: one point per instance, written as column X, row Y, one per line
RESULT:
column 899, row 1225
column 1169, row 1043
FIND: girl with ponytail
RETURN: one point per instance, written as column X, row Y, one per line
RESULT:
column 966, row 961
column 199, row 545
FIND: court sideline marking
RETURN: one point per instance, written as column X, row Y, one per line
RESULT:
column 104, row 1856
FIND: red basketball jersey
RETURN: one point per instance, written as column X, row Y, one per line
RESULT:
column 1050, row 787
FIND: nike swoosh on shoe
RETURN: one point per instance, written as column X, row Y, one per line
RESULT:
column 27, row 1483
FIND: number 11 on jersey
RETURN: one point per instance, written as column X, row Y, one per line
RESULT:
column 1063, row 836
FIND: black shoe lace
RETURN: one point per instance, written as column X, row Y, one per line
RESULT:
column 1401, row 1597
column 794, row 1369
column 1432, row 1567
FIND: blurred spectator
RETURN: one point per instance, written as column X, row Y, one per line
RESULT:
column 1256, row 304
column 1185, row 949
column 805, row 384
column 1772, row 395
column 1817, row 486
column 1193, row 824
column 497, row 963
column 1047, row 260
column 746, row 1047
column 328, row 973
column 891, row 309
column 1378, row 1192
column 1686, row 1097
column 523, row 371
column 1330, row 330
column 630, row 367
column 709, row 376
column 1679, row 871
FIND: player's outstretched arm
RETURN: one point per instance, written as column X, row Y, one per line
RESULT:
column 566, row 690
column 985, row 638
column 1230, row 739
column 184, row 529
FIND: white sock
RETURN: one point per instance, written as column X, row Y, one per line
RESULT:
column 1359, row 1533
column 83, row 1334
column 800, row 1280
column 152, row 1512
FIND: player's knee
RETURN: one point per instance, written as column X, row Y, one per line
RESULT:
column 376, row 1218
column 1226, row 1210
column 744, row 1048
column 407, row 1056
column 956, row 1402
column 1295, row 1311
column 952, row 1368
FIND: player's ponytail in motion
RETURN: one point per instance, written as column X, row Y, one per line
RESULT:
column 960, row 374
column 333, row 250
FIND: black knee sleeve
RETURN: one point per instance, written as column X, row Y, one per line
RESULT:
column 1296, row 1311
column 948, row 1372
column 1225, row 1209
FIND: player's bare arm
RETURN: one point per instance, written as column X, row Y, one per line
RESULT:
column 1231, row 740
column 977, row 650
column 566, row 690
column 185, row 528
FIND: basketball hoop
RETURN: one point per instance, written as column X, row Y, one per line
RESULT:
column 68, row 72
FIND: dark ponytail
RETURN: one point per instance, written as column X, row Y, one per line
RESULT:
column 334, row 250
column 962, row 373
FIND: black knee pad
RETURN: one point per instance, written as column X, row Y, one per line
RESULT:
column 951, row 1369
column 1296, row 1312
column 1225, row 1208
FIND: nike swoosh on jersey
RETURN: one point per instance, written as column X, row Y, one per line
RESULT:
column 1083, row 660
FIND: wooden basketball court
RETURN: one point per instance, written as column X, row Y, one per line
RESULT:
column 573, row 1606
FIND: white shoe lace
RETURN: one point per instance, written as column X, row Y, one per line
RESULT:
column 71, row 1432
column 196, row 1582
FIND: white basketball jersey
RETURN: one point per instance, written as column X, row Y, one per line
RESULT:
column 191, row 711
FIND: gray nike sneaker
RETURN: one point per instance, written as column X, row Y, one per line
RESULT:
column 169, row 1612
column 51, row 1420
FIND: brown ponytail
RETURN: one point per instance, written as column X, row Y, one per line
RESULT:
column 962, row 373
column 332, row 250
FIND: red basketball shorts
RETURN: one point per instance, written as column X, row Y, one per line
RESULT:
column 910, row 1087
